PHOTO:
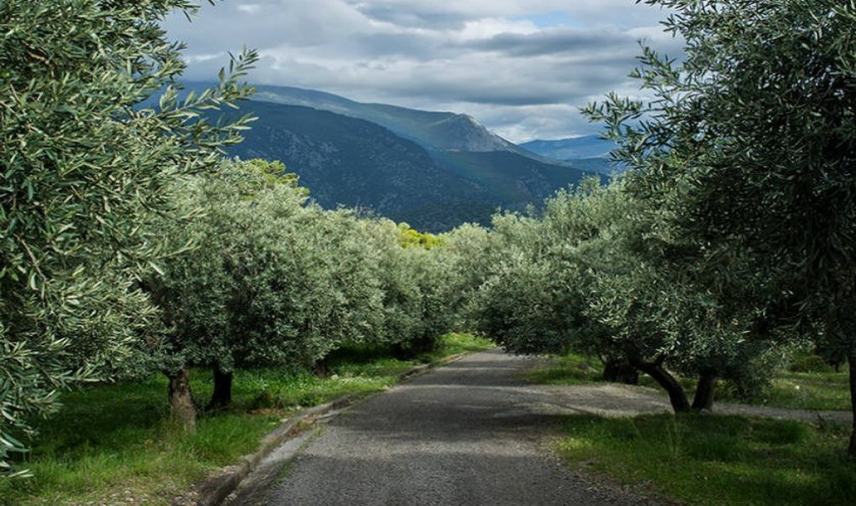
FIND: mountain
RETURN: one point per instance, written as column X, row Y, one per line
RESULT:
column 590, row 153
column 577, row 148
column 444, row 131
column 357, row 163
column 510, row 178
column 433, row 170
column 600, row 165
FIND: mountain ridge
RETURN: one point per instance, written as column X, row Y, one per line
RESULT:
column 357, row 163
column 432, row 129
column 433, row 170
column 572, row 148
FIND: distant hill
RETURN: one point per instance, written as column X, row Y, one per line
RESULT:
column 433, row 130
column 357, row 163
column 578, row 148
column 600, row 165
column 433, row 170
column 511, row 178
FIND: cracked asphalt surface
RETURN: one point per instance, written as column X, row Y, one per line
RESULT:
column 469, row 433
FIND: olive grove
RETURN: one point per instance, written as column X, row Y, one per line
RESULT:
column 130, row 245
column 729, row 240
column 748, row 149
column 592, row 275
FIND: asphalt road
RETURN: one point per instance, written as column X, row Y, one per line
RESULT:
column 469, row 433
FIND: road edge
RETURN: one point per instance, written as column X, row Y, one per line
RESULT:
column 214, row 490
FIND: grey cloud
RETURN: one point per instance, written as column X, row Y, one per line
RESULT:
column 414, row 17
column 556, row 41
column 465, row 56
column 434, row 14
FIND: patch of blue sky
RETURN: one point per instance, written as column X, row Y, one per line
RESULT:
column 554, row 19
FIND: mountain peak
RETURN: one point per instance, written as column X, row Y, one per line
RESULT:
column 470, row 119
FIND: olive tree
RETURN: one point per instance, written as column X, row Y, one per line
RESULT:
column 82, row 166
column 750, row 142
column 538, row 287
column 416, row 279
column 470, row 251
column 267, row 279
column 595, row 274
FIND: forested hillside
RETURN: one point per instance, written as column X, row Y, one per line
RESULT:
column 355, row 163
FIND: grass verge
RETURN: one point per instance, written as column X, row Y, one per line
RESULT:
column 816, row 390
column 717, row 460
column 113, row 444
column 571, row 369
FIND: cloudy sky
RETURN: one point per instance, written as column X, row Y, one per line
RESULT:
column 522, row 67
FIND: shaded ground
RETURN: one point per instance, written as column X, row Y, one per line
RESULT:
column 468, row 433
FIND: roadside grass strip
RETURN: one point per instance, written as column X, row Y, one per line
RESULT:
column 715, row 460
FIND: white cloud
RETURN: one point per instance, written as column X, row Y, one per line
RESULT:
column 490, row 27
column 202, row 58
column 249, row 8
column 495, row 59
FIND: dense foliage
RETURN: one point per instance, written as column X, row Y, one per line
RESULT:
column 731, row 237
column 267, row 278
column 749, row 150
column 592, row 275
column 81, row 168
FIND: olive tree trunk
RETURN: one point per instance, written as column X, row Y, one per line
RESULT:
column 852, row 360
column 222, row 396
column 705, row 391
column 620, row 371
column 677, row 395
column 181, row 401
column 320, row 368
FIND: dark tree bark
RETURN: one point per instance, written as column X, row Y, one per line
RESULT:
column 677, row 395
column 620, row 371
column 320, row 369
column 415, row 347
column 222, row 396
column 852, row 360
column 705, row 390
column 181, row 401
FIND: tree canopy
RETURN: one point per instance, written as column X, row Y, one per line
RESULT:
column 83, row 167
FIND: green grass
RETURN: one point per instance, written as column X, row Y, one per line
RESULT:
column 717, row 460
column 109, row 442
column 571, row 369
column 818, row 387
column 809, row 390
column 454, row 344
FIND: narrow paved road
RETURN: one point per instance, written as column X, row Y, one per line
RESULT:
column 470, row 433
